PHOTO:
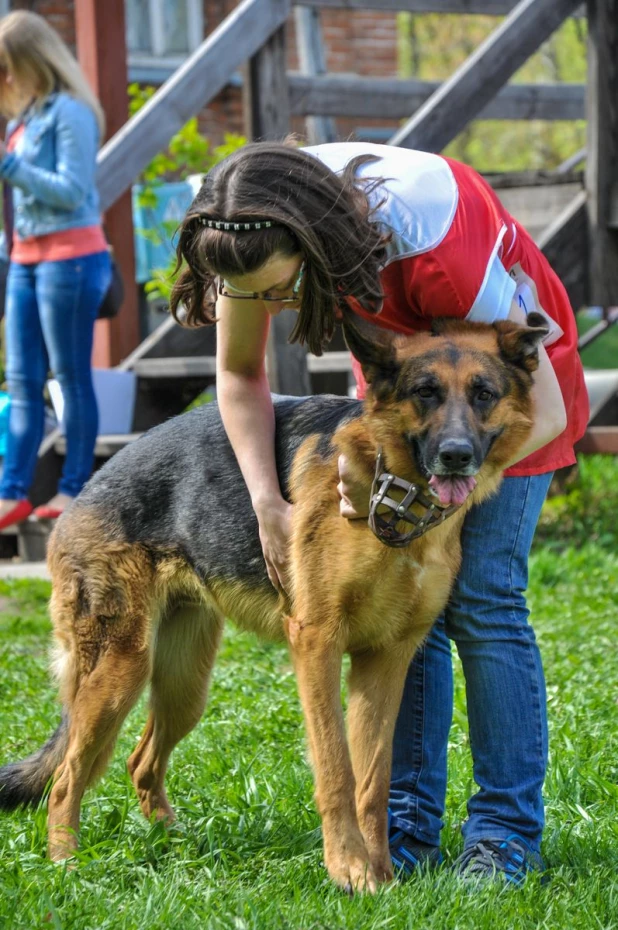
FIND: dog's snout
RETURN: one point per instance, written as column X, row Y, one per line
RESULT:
column 456, row 454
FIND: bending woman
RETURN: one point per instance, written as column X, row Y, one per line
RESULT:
column 401, row 237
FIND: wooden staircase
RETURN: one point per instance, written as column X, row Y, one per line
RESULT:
column 174, row 365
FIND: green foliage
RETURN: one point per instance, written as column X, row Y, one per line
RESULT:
column 245, row 854
column 189, row 152
column 602, row 352
column 431, row 46
column 587, row 511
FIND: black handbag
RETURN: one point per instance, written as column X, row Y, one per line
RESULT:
column 112, row 302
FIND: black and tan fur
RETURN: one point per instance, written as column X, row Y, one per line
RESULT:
column 162, row 544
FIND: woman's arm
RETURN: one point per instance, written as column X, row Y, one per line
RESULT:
column 76, row 145
column 248, row 417
column 550, row 413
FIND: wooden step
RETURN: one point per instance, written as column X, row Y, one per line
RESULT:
column 199, row 366
column 204, row 366
column 105, row 446
column 330, row 361
column 599, row 440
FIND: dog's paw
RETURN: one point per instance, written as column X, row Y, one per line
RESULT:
column 354, row 874
column 383, row 868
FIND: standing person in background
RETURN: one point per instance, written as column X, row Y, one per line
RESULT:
column 60, row 267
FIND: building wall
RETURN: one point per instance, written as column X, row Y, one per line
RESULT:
column 362, row 42
column 59, row 13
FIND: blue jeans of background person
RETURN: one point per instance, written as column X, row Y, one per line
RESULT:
column 51, row 308
column 487, row 618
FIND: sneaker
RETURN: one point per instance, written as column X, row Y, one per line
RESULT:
column 407, row 853
column 510, row 859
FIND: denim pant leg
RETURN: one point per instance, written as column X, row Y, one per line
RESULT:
column 69, row 294
column 487, row 617
column 418, row 778
column 26, row 371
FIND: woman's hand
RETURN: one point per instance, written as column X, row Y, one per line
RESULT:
column 275, row 526
column 354, row 503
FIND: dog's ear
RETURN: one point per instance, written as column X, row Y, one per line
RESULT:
column 374, row 348
column 519, row 344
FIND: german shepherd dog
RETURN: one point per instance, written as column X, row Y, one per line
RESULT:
column 162, row 544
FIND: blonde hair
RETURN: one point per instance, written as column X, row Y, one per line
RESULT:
column 36, row 57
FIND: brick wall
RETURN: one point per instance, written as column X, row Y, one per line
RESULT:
column 58, row 13
column 361, row 42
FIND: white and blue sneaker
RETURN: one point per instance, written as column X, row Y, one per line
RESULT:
column 510, row 859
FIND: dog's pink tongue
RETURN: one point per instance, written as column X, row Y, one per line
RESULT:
column 452, row 489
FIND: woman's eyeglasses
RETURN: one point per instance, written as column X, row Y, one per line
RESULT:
column 292, row 298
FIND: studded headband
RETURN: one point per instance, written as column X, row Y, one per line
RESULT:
column 221, row 224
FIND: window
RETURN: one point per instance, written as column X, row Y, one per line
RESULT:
column 162, row 31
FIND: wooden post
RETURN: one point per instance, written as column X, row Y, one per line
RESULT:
column 267, row 105
column 267, row 115
column 602, row 149
column 101, row 47
column 291, row 360
column 312, row 62
column 190, row 88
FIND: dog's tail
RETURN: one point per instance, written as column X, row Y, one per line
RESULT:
column 23, row 783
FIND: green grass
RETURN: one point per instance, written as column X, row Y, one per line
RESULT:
column 246, row 853
column 603, row 351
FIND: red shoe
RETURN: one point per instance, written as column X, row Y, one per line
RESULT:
column 16, row 514
column 47, row 513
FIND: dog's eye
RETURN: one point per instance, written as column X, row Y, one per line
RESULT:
column 484, row 396
column 425, row 391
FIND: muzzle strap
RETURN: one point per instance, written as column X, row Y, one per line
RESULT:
column 384, row 525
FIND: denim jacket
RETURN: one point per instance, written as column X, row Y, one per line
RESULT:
column 53, row 175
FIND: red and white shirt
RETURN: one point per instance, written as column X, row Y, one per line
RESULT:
column 455, row 251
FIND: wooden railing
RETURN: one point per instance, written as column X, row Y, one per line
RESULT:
column 440, row 110
column 390, row 98
column 486, row 7
column 254, row 35
column 582, row 243
column 239, row 37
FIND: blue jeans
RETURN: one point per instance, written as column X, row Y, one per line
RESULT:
column 487, row 618
column 51, row 308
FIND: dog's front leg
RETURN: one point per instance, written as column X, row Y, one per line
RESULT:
column 317, row 661
column 376, row 685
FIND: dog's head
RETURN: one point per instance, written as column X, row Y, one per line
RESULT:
column 454, row 402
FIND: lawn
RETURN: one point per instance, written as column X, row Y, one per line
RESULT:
column 246, row 852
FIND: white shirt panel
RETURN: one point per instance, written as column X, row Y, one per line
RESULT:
column 420, row 189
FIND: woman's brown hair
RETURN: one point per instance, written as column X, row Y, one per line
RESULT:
column 323, row 215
